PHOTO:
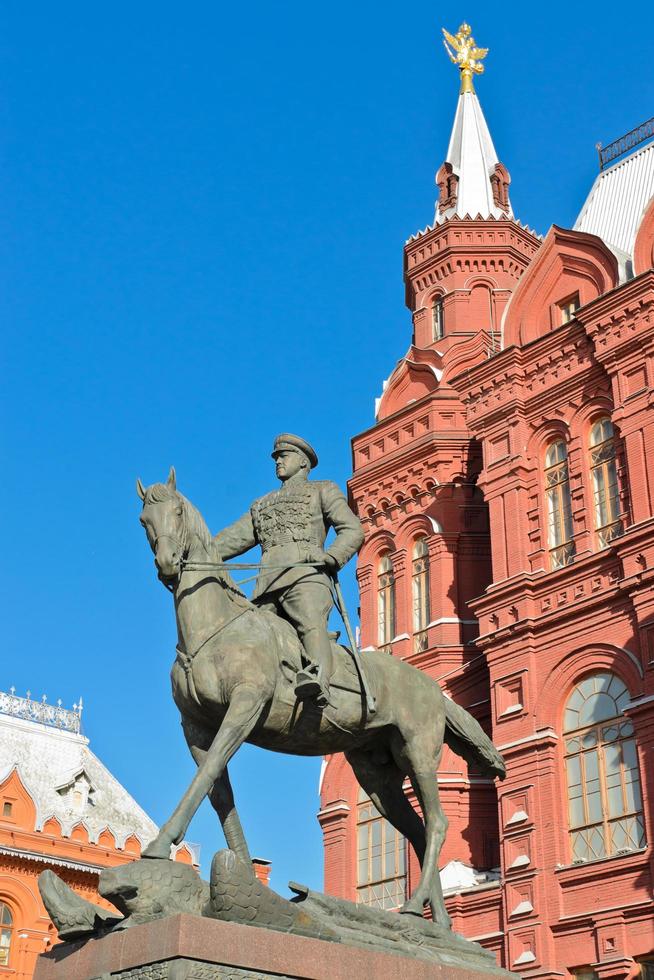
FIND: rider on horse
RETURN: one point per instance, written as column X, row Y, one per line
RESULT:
column 291, row 525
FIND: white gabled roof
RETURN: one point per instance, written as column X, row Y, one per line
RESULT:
column 64, row 778
column 614, row 208
column 49, row 762
column 473, row 159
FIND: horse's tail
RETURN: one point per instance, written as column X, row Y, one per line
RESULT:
column 466, row 737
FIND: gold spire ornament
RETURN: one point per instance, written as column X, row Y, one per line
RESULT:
column 464, row 53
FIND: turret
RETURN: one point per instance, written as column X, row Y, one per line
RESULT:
column 460, row 272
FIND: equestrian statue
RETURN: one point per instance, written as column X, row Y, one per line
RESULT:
column 266, row 670
column 291, row 526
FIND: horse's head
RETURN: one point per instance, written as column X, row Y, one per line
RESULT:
column 164, row 519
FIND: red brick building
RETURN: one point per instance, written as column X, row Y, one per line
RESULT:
column 509, row 514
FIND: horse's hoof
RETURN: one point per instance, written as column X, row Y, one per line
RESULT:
column 412, row 908
column 159, row 850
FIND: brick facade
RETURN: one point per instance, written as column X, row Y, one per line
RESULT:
column 493, row 377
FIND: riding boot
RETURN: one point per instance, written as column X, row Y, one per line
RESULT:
column 313, row 680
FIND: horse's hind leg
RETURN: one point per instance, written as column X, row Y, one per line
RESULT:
column 422, row 755
column 221, row 797
column 382, row 781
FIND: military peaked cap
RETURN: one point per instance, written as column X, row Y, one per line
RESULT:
column 288, row 441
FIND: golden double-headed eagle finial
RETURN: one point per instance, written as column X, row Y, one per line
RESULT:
column 464, row 53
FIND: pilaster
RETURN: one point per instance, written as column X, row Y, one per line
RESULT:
column 338, row 824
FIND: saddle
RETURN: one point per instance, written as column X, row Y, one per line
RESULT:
column 344, row 682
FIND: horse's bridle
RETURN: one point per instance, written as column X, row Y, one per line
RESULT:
column 181, row 546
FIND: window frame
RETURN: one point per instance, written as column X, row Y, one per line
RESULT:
column 386, row 600
column 437, row 318
column 602, row 773
column 7, row 928
column 603, row 466
column 557, row 499
column 420, row 593
column 368, row 816
column 568, row 308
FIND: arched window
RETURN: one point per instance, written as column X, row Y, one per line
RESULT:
column 6, row 933
column 381, row 852
column 604, row 800
column 559, row 507
column 385, row 603
column 420, row 594
column 437, row 319
column 604, row 476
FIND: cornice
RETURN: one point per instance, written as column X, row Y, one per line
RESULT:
column 49, row 859
column 404, row 414
column 626, row 328
column 587, row 320
column 535, row 583
column 615, row 298
column 509, row 378
column 539, row 600
column 432, row 235
column 520, row 746
column 607, row 867
column 441, row 254
column 556, row 391
column 416, row 452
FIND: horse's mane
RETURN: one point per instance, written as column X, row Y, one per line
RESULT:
column 195, row 525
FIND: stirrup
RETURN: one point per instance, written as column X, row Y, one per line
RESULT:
column 309, row 687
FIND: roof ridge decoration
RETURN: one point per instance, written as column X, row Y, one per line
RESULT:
column 471, row 181
column 41, row 712
column 624, row 144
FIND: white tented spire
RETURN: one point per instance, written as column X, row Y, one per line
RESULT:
column 472, row 162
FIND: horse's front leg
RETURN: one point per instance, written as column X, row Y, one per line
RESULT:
column 244, row 709
column 221, row 797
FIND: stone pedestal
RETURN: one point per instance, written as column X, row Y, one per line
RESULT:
column 186, row 947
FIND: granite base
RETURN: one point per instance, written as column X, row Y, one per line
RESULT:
column 186, row 947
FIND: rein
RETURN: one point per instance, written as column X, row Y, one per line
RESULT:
column 191, row 565
column 197, row 566
column 202, row 566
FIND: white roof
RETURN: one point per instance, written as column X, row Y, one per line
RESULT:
column 456, row 876
column 473, row 158
column 67, row 781
column 617, row 200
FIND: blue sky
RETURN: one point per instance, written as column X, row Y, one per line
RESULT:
column 202, row 213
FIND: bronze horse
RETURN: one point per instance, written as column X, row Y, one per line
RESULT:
column 233, row 682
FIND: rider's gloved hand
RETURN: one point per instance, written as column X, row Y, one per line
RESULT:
column 323, row 558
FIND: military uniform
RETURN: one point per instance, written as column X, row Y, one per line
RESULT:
column 291, row 525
